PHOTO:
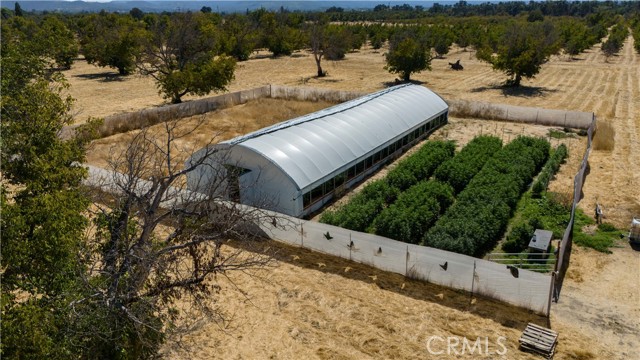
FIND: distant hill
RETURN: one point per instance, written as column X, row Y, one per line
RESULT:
column 217, row 6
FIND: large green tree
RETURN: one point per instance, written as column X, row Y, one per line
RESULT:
column 112, row 40
column 42, row 220
column 108, row 291
column 522, row 49
column 241, row 36
column 407, row 55
column 281, row 32
column 50, row 38
column 183, row 54
column 575, row 37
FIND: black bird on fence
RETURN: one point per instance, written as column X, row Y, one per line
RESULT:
column 456, row 65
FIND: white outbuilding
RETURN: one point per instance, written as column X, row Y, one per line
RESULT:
column 297, row 166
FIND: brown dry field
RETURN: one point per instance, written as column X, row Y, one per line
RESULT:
column 312, row 306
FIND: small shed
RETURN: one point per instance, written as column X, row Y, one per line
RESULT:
column 540, row 241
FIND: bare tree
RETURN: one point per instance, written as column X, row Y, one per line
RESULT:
column 318, row 42
column 157, row 243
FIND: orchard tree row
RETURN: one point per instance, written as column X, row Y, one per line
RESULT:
column 196, row 53
column 399, row 12
column 635, row 29
column 618, row 34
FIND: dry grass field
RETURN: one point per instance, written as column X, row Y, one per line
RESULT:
column 311, row 306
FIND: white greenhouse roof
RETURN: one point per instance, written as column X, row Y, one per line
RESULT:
column 312, row 146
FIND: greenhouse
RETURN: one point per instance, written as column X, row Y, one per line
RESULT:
column 297, row 166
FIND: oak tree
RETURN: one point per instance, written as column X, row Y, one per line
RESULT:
column 407, row 55
column 112, row 40
column 183, row 55
column 522, row 50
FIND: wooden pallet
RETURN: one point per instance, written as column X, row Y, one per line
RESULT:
column 539, row 340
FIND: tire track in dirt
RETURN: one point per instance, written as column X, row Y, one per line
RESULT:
column 629, row 51
column 576, row 101
column 587, row 101
column 565, row 89
column 478, row 80
column 605, row 93
column 614, row 173
column 630, row 126
column 593, row 52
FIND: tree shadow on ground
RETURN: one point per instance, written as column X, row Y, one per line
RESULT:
column 400, row 82
column 502, row 313
column 326, row 79
column 107, row 76
column 518, row 91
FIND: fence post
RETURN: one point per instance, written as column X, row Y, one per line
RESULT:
column 473, row 281
column 406, row 263
column 350, row 246
column 552, row 283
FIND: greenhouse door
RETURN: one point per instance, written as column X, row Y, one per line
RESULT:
column 233, row 180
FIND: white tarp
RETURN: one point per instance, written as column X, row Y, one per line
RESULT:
column 519, row 287
column 379, row 252
column 440, row 267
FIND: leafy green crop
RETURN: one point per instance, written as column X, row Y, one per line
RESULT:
column 364, row 207
column 549, row 170
column 460, row 169
column 414, row 212
column 475, row 222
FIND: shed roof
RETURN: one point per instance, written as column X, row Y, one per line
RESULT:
column 309, row 147
column 541, row 240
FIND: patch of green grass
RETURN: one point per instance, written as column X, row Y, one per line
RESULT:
column 560, row 134
column 601, row 238
column 554, row 216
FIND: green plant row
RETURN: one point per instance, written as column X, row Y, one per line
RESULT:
column 421, row 165
column 549, row 170
column 418, row 208
column 523, row 226
column 460, row 169
column 415, row 211
column 362, row 209
column 475, row 222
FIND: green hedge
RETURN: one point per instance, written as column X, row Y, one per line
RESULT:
column 415, row 211
column 420, row 165
column 362, row 209
column 460, row 169
column 477, row 220
column 549, row 170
